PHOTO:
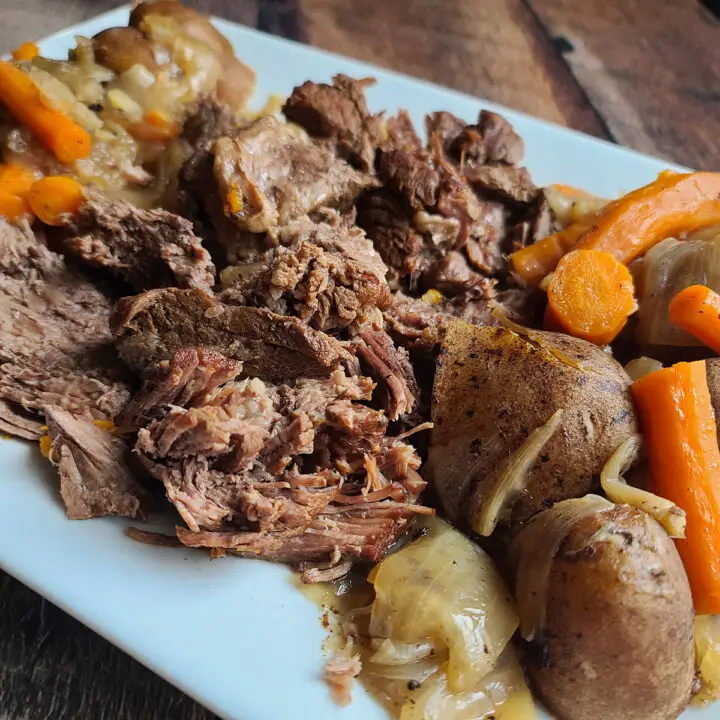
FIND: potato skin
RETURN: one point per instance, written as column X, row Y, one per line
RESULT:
column 493, row 388
column 618, row 640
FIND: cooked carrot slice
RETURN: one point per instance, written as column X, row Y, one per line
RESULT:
column 26, row 52
column 678, row 425
column 56, row 199
column 155, row 127
column 16, row 179
column 13, row 207
column 590, row 296
column 630, row 226
column 59, row 133
column 534, row 262
column 696, row 310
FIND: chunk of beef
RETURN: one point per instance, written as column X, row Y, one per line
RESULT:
column 339, row 114
column 389, row 225
column 210, row 120
column 95, row 479
column 491, row 140
column 148, row 248
column 412, row 176
column 328, row 276
column 390, row 367
column 509, row 182
column 459, row 199
column 151, row 327
column 401, row 133
column 263, row 176
column 55, row 342
column 189, row 378
column 419, row 325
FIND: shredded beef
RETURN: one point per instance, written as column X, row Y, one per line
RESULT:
column 339, row 114
column 231, row 466
column 327, row 276
column 152, row 326
column 187, row 379
column 390, row 367
column 95, row 479
column 55, row 343
column 148, row 248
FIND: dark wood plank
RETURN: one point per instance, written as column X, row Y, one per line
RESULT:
column 495, row 49
column 652, row 70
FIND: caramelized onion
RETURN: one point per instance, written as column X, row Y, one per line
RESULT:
column 535, row 549
column 669, row 515
column 513, row 475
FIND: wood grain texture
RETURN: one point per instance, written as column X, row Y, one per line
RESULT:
column 495, row 49
column 651, row 69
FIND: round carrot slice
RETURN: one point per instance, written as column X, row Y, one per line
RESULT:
column 590, row 296
column 56, row 199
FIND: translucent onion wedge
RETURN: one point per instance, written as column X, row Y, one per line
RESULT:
column 391, row 652
column 442, row 588
column 512, row 476
column 639, row 367
column 669, row 515
column 502, row 694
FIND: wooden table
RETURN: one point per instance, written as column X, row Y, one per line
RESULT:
column 641, row 72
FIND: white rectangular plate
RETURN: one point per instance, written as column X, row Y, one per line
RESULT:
column 236, row 634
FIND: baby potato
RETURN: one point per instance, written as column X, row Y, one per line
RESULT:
column 493, row 388
column 603, row 591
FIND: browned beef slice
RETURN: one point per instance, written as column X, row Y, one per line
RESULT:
column 327, row 276
column 189, row 378
column 338, row 113
column 55, row 342
column 411, row 175
column 211, row 120
column 390, row 367
column 148, row 248
column 152, row 326
column 271, row 172
column 95, row 479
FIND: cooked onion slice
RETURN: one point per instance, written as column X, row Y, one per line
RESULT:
column 513, row 475
column 442, row 589
column 669, row 515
